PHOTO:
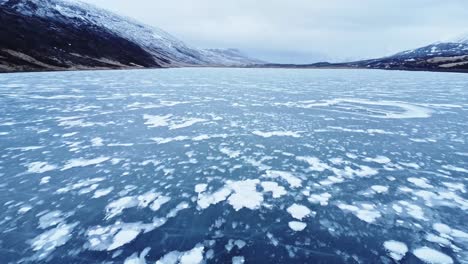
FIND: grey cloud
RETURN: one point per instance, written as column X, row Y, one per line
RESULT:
column 302, row 31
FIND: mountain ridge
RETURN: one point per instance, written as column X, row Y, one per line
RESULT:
column 81, row 36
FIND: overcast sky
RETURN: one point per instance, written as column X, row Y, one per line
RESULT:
column 302, row 31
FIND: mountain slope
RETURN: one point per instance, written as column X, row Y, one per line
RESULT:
column 451, row 55
column 61, row 34
column 439, row 56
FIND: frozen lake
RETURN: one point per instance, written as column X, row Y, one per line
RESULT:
column 241, row 165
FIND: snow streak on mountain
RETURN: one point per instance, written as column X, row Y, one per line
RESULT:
column 61, row 34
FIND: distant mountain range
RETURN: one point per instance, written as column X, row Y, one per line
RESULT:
column 451, row 55
column 44, row 35
column 40, row 35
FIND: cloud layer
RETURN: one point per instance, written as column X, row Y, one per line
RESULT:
column 302, row 31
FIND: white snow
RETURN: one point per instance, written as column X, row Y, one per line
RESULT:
column 40, row 167
column 230, row 153
column 365, row 212
column 276, row 134
column 432, row 256
column 396, row 249
column 378, row 159
column 420, row 182
column 51, row 239
column 205, row 200
column 97, row 142
column 321, row 199
column 102, row 192
column 238, row 260
column 193, row 256
column 44, row 180
column 276, row 190
column 379, row 188
column 186, row 123
column 123, row 237
column 138, row 259
column 297, row 226
column 73, row 163
column 285, row 175
column 298, row 211
column 157, row 120
column 455, row 168
column 201, row 187
column 245, row 194
column 314, row 163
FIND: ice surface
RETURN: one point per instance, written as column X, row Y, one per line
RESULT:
column 212, row 164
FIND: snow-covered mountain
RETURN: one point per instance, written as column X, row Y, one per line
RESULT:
column 66, row 34
column 450, row 55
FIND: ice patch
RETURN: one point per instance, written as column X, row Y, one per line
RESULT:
column 420, row 182
column 123, row 237
column 230, row 153
column 378, row 159
column 24, row 209
column 314, row 163
column 138, row 259
column 396, row 249
column 365, row 212
column 44, row 180
column 277, row 134
column 151, row 199
column 455, row 168
column 51, row 239
column 167, row 121
column 379, row 188
column 40, row 167
column 102, row 192
column 201, row 187
column 297, row 226
column 186, row 123
column 73, row 163
column 245, row 194
column 157, row 121
column 276, row 190
column 292, row 180
column 356, row 107
column 193, row 256
column 321, row 199
column 238, row 260
column 432, row 256
column 239, row 194
column 298, row 211
column 51, row 219
column 160, row 201
column 114, row 236
column 97, row 142
column 205, row 200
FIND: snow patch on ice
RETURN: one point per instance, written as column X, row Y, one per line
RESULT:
column 40, row 167
column 297, row 226
column 396, row 249
column 432, row 256
column 276, row 134
column 73, row 163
